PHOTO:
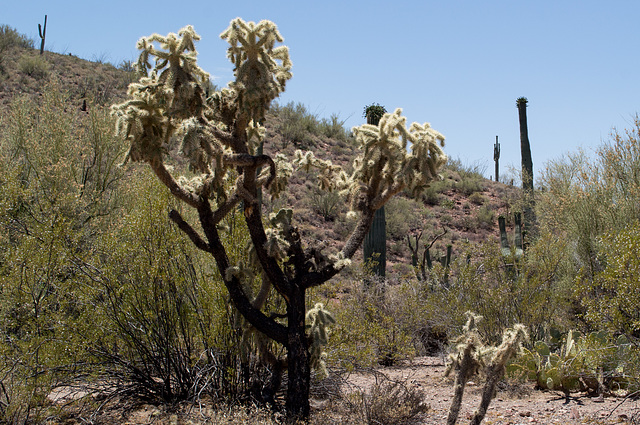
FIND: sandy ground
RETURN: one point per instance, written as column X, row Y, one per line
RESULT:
column 517, row 404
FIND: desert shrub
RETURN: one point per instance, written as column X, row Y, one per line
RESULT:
column 474, row 170
column 368, row 328
column 469, row 185
column 327, row 204
column 531, row 292
column 59, row 177
column 168, row 326
column 486, row 217
column 477, row 198
column 9, row 37
column 389, row 403
column 585, row 196
column 333, row 127
column 297, row 125
column 34, row 66
column 612, row 297
column 402, row 215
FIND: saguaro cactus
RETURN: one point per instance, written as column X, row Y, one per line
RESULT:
column 496, row 158
column 42, row 32
column 527, row 164
column 375, row 243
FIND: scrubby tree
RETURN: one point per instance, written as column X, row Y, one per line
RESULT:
column 169, row 116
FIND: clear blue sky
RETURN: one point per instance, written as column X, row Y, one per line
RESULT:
column 459, row 65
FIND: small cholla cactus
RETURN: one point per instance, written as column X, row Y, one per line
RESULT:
column 471, row 357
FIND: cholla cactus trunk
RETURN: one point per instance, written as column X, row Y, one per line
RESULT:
column 375, row 244
column 467, row 369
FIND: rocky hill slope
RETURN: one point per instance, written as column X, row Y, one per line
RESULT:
column 463, row 205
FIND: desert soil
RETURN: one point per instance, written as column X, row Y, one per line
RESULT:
column 514, row 404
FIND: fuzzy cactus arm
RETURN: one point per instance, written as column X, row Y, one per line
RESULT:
column 386, row 166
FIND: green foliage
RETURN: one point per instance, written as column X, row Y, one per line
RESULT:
column 33, row 66
column 166, row 317
column 297, row 124
column 9, row 37
column 479, row 280
column 612, row 297
column 373, row 113
column 374, row 325
column 486, row 217
column 403, row 215
column 59, row 178
column 327, row 204
column 599, row 362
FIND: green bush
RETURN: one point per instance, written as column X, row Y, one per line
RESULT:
column 402, row 215
column 297, row 125
column 612, row 297
column 327, row 204
column 59, row 178
column 479, row 280
column 333, row 127
column 371, row 327
column 166, row 319
column 34, row 66
column 486, row 217
column 9, row 37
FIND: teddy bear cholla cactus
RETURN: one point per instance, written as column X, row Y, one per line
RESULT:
column 168, row 111
column 471, row 357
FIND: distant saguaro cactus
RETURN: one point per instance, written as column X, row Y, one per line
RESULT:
column 375, row 243
column 496, row 158
column 42, row 32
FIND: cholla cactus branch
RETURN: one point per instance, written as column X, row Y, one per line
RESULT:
column 511, row 342
column 261, row 69
column 386, row 167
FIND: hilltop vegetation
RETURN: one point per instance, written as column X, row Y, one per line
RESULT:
column 100, row 292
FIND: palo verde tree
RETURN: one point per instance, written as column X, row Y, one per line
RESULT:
column 168, row 112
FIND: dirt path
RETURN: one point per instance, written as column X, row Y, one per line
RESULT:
column 518, row 405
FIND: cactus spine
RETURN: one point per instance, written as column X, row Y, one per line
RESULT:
column 375, row 243
column 42, row 32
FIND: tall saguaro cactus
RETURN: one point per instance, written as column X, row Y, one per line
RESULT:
column 496, row 158
column 527, row 164
column 219, row 137
column 42, row 32
column 374, row 248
